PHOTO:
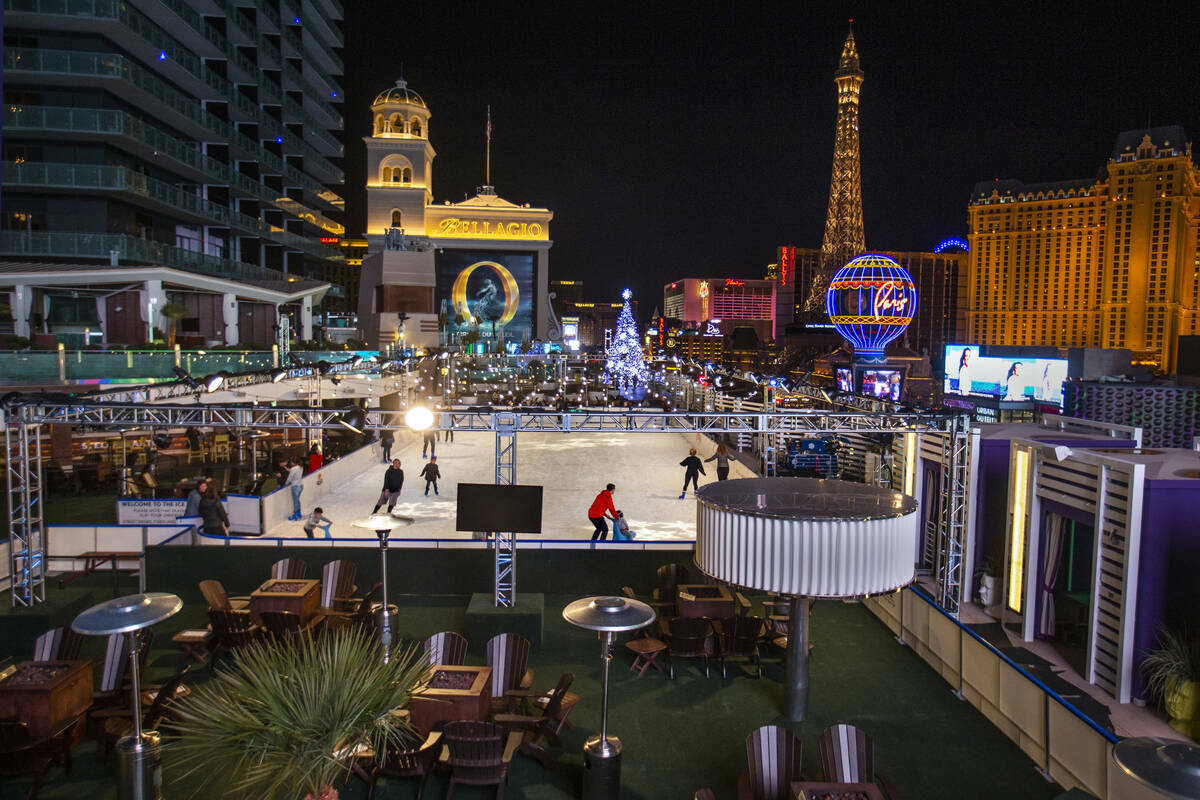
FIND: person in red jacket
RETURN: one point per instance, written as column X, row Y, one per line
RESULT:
column 315, row 459
column 597, row 513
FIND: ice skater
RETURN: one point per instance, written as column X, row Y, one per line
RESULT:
column 431, row 473
column 393, row 482
column 385, row 441
column 295, row 475
column 602, row 508
column 318, row 520
column 429, row 440
column 621, row 532
column 722, row 459
column 694, row 470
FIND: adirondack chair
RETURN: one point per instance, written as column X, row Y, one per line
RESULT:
column 107, row 725
column 283, row 625
column 848, row 756
column 687, row 637
column 541, row 727
column 57, row 644
column 23, row 754
column 445, row 648
column 417, row 760
column 773, row 762
column 214, row 595
column 337, row 586
column 110, row 692
column 289, row 569
column 739, row 639
column 478, row 754
column 231, row 630
column 508, row 655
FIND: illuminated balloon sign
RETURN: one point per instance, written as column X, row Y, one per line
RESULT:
column 870, row 302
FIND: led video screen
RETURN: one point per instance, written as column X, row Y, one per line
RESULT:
column 499, row 507
column 845, row 380
column 485, row 289
column 1014, row 379
column 884, row 384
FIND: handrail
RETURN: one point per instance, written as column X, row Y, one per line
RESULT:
column 455, row 544
column 1046, row 689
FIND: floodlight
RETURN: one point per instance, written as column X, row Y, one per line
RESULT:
column 353, row 418
column 183, row 375
column 418, row 418
column 278, row 374
column 214, row 382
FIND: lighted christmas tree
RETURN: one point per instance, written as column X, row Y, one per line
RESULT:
column 626, row 363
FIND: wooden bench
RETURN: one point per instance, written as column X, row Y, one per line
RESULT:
column 94, row 559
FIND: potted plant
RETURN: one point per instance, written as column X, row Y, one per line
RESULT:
column 1172, row 671
column 285, row 719
column 173, row 312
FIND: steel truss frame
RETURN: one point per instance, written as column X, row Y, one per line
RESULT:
column 952, row 531
column 23, row 483
column 505, row 542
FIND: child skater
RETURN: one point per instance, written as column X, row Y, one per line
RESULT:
column 621, row 532
column 431, row 475
column 318, row 520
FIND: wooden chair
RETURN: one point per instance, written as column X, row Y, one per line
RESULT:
column 106, row 726
column 402, row 762
column 221, row 448
column 22, row 754
column 668, row 577
column 289, row 569
column 848, row 756
column 688, row 637
column 738, row 638
column 508, row 655
column 283, row 625
column 478, row 754
column 110, row 692
column 196, row 455
column 337, row 586
column 546, row 726
column 773, row 762
column 217, row 600
column 445, row 648
column 57, row 644
column 231, row 630
column 661, row 609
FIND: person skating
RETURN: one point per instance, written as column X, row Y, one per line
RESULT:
column 722, row 459
column 393, row 482
column 429, row 441
column 294, row 477
column 216, row 521
column 621, row 532
column 597, row 512
column 385, row 441
column 318, row 520
column 694, row 470
column 431, row 473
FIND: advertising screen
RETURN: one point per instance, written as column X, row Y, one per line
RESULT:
column 884, row 384
column 499, row 507
column 484, row 289
column 845, row 380
column 1015, row 379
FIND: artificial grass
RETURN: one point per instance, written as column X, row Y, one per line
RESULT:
column 688, row 733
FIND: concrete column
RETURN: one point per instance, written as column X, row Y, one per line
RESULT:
column 21, row 303
column 306, row 318
column 229, row 308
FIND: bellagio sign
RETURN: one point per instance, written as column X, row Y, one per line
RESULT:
column 489, row 229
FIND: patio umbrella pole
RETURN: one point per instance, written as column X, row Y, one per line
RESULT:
column 795, row 699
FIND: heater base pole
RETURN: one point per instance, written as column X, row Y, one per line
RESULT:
column 795, row 699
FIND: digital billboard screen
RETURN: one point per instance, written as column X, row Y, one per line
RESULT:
column 881, row 383
column 1007, row 378
column 499, row 507
column 845, row 380
column 482, row 289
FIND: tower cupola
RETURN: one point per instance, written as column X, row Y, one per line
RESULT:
column 399, row 111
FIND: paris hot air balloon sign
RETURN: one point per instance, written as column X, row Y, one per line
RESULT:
column 870, row 302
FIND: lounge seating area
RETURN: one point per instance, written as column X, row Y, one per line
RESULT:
column 679, row 736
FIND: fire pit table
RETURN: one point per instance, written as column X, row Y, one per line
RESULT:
column 451, row 693
column 300, row 597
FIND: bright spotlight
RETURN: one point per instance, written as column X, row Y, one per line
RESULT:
column 418, row 418
column 214, row 382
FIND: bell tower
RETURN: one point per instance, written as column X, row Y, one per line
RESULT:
column 399, row 165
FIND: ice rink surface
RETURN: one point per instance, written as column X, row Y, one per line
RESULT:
column 572, row 468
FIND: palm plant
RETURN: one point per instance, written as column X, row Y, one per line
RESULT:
column 1174, row 661
column 173, row 312
column 284, row 720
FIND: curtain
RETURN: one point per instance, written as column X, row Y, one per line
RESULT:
column 1054, row 547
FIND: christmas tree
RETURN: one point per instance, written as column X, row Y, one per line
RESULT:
column 626, row 363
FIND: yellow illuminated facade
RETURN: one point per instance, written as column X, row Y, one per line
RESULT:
column 1016, row 554
column 1111, row 262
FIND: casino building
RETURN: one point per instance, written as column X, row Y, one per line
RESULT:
column 449, row 272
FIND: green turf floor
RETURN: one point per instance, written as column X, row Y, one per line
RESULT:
column 688, row 733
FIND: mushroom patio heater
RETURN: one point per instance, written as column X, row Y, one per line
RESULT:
column 805, row 537
column 139, row 755
column 1149, row 766
column 602, row 754
column 383, row 525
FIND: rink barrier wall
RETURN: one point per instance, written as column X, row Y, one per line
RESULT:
column 1064, row 743
column 450, row 568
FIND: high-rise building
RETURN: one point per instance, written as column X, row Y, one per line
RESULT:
column 171, row 139
column 1106, row 262
column 722, row 304
column 844, row 238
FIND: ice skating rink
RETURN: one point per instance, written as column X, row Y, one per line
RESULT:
column 572, row 468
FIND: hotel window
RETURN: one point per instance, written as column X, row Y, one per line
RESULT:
column 396, row 219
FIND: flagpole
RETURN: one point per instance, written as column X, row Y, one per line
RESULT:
column 488, row 166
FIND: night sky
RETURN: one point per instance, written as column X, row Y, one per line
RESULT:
column 675, row 140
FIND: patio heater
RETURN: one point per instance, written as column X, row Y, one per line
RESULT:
column 802, row 538
column 1155, row 767
column 602, row 754
column 139, row 755
column 383, row 525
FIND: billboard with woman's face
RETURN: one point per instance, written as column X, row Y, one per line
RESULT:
column 1014, row 379
column 484, row 290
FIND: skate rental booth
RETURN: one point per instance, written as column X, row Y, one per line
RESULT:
column 1101, row 550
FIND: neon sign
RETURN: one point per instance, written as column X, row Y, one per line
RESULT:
column 787, row 263
column 732, row 282
column 953, row 241
column 712, row 328
column 453, row 226
column 871, row 301
column 329, row 240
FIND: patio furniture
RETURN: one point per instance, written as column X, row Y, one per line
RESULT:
column 231, row 630
column 298, row 596
column 337, row 586
column 195, row 644
column 848, row 756
column 704, row 794
column 415, row 761
column 688, row 637
column 646, row 652
column 221, row 448
column 704, row 600
column 44, row 693
column 827, row 790
column 739, row 639
column 668, row 578
column 217, row 600
column 537, row 728
column 289, row 568
column 22, row 753
column 283, row 625
column 450, row 693
column 773, row 763
column 446, row 647
column 112, row 676
column 478, row 754
column 107, row 726
column 661, row 609
column 507, row 655
column 57, row 644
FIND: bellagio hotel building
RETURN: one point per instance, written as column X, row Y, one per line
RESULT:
column 1109, row 262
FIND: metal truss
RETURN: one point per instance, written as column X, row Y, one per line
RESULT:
column 505, row 542
column 948, row 575
column 26, row 541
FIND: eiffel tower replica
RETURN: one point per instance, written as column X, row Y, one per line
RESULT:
column 844, row 221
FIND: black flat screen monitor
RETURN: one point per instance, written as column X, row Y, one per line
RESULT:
column 492, row 507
